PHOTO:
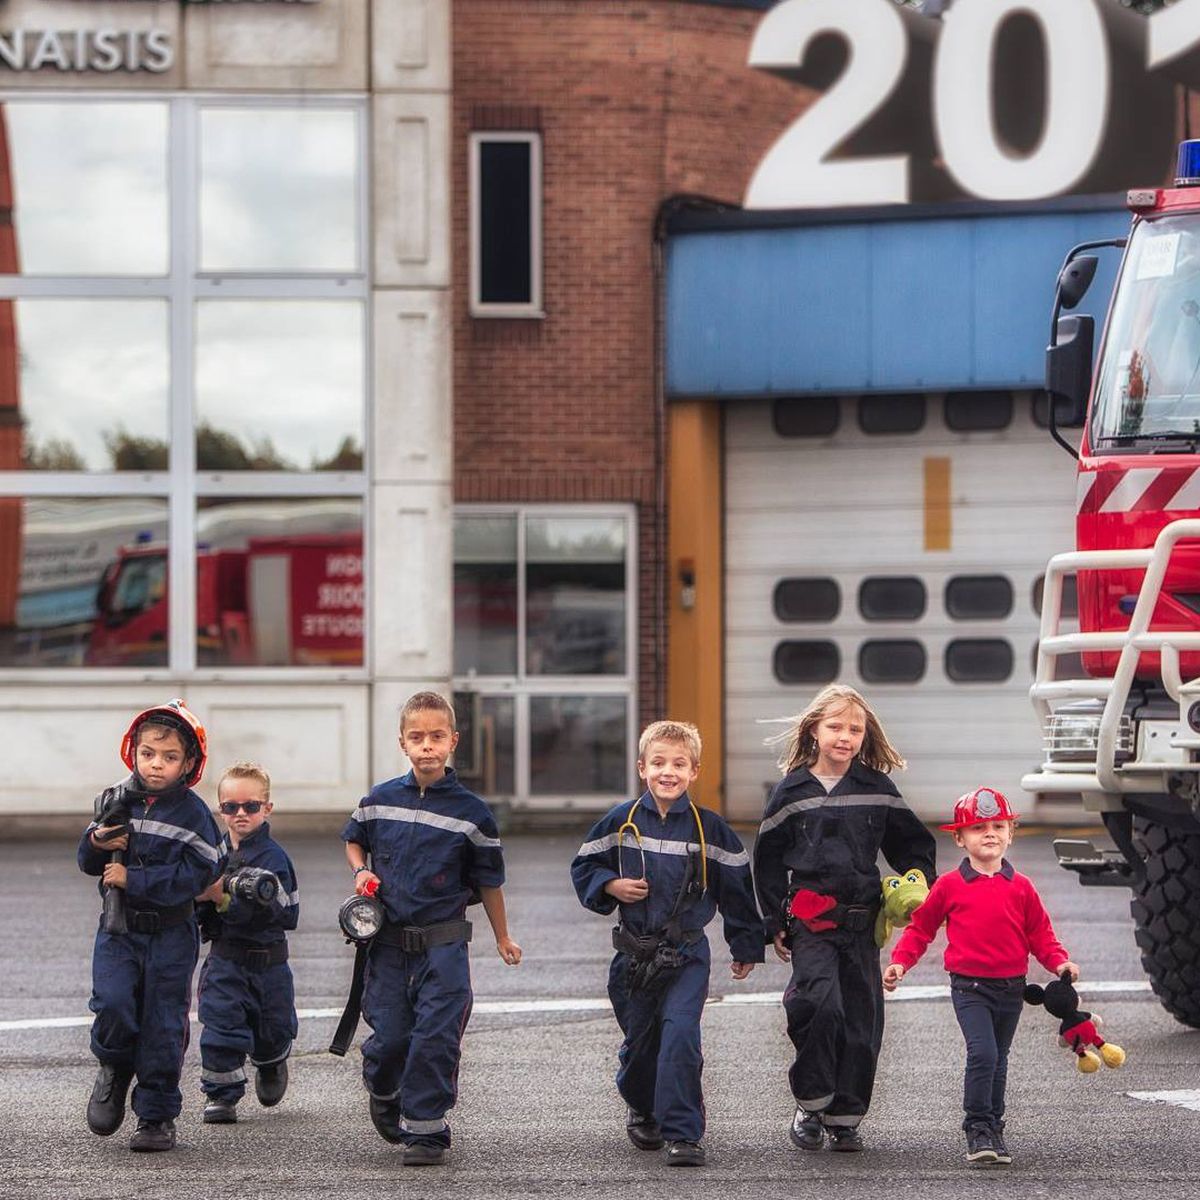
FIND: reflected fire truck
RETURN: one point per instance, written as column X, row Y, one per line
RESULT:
column 280, row 601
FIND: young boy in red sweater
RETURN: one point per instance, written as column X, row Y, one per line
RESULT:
column 994, row 921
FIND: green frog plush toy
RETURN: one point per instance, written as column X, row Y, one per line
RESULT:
column 902, row 896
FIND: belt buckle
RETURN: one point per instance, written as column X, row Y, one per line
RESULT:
column 412, row 939
column 259, row 958
column 146, row 922
column 856, row 918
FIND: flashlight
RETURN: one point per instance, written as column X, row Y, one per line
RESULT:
column 361, row 917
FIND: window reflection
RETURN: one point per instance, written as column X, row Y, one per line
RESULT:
column 485, row 595
column 89, row 188
column 577, row 745
column 279, row 385
column 278, row 189
column 485, row 758
column 575, row 596
column 279, row 582
column 84, row 385
column 83, row 582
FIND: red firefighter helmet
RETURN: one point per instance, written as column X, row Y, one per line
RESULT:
column 983, row 804
column 173, row 715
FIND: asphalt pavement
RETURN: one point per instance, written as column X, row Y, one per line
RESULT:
column 538, row 1114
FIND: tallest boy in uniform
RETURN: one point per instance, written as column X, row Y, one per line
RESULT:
column 434, row 847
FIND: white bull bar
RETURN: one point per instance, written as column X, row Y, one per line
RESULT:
column 1106, row 777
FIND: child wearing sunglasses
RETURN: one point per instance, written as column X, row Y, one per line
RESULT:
column 247, row 1001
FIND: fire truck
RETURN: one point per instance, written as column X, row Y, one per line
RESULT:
column 1125, row 735
column 279, row 601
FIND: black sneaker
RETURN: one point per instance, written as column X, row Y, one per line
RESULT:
column 685, row 1154
column 845, row 1138
column 643, row 1130
column 385, row 1116
column 270, row 1082
column 1003, row 1157
column 152, row 1136
column 106, row 1105
column 981, row 1151
column 424, row 1154
column 807, row 1132
column 220, row 1112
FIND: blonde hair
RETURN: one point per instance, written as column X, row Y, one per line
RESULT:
column 427, row 702
column 800, row 747
column 679, row 732
column 247, row 770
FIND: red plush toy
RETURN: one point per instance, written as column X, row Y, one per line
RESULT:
column 1077, row 1028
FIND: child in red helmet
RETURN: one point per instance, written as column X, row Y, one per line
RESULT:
column 145, row 952
column 994, row 921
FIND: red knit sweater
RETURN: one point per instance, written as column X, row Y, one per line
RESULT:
column 993, row 924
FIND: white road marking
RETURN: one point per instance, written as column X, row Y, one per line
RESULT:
column 600, row 1004
column 1182, row 1099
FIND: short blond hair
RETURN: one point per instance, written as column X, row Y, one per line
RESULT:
column 679, row 732
column 428, row 702
column 800, row 747
column 247, row 770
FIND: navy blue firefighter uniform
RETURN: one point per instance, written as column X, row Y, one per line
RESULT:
column 142, row 979
column 433, row 849
column 660, row 1059
column 247, row 1000
column 829, row 843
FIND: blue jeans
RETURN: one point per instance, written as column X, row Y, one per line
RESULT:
column 988, row 1011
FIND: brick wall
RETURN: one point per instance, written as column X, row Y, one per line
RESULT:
column 636, row 101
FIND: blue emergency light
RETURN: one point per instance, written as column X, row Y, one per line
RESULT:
column 1187, row 173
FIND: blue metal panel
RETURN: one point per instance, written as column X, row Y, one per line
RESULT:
column 886, row 305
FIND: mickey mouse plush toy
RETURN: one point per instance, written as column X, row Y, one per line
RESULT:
column 1077, row 1028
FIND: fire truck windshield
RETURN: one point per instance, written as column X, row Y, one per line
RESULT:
column 1148, row 385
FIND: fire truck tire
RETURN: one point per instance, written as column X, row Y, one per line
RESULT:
column 1166, row 911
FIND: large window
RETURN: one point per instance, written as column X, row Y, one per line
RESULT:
column 183, row 343
column 543, row 651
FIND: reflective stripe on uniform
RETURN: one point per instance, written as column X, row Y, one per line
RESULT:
column 728, row 858
column 389, row 812
column 437, row 1125
column 861, row 800
column 238, row 1076
column 177, row 833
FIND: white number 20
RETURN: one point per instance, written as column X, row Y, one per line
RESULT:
column 796, row 172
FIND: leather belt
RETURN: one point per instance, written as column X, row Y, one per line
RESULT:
column 416, row 939
column 246, row 954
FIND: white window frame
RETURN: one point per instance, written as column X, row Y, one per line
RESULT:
column 477, row 307
column 181, row 485
column 522, row 687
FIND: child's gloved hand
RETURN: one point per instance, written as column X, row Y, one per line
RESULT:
column 892, row 974
column 627, row 891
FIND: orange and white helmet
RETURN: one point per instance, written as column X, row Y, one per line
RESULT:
column 983, row 804
column 177, row 716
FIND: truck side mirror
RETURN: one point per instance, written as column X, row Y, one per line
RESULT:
column 1075, row 279
column 1069, row 372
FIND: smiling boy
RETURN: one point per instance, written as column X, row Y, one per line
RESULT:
column 994, row 921
column 434, row 848
column 669, row 866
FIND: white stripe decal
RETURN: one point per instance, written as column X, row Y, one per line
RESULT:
column 390, row 812
column 286, row 900
column 1188, row 496
column 178, row 834
column 1130, row 490
column 855, row 801
column 599, row 845
column 238, row 1076
column 437, row 1125
column 1084, row 483
column 601, row 1004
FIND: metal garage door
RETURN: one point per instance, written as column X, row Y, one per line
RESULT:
column 829, row 509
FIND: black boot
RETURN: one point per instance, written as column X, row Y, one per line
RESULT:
column 643, row 1130
column 106, row 1107
column 385, row 1116
column 807, row 1132
column 153, row 1135
column 424, row 1154
column 685, row 1154
column 220, row 1112
column 270, row 1082
column 845, row 1138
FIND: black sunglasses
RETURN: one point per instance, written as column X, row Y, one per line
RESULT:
column 229, row 807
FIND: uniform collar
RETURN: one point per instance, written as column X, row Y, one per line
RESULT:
column 681, row 805
column 249, row 841
column 857, row 769
column 450, row 779
column 969, row 873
